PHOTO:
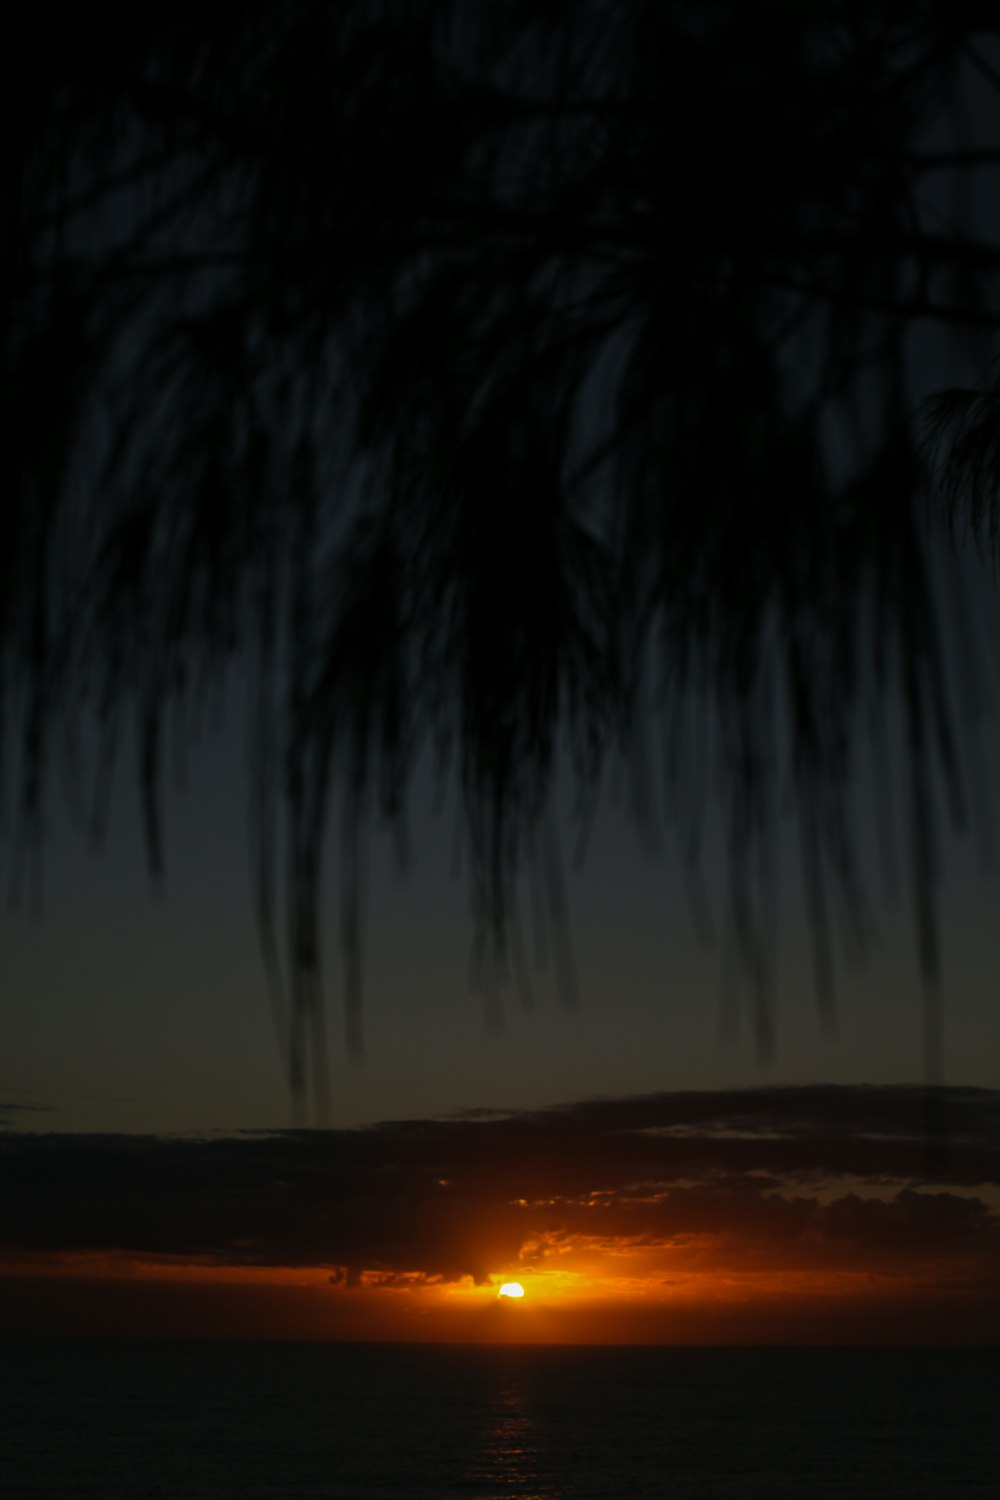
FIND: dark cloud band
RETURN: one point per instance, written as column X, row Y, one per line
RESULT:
column 821, row 1176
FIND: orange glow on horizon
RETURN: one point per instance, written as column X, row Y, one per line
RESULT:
column 570, row 1289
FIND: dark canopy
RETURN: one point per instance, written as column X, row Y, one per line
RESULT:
column 537, row 381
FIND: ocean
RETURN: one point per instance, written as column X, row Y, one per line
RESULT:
column 431, row 1422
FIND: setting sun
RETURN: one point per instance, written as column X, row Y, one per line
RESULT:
column 511, row 1289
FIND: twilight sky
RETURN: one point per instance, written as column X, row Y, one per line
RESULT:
column 131, row 1010
column 644, row 1179
column 631, row 1159
column 641, row 1174
column 778, row 1216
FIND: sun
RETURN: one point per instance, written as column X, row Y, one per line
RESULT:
column 511, row 1289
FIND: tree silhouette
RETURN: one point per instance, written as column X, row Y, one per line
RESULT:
column 529, row 380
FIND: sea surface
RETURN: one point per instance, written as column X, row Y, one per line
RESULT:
column 425, row 1422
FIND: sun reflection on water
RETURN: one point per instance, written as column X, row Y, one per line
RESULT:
column 510, row 1452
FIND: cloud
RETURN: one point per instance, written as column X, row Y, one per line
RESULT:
column 7, row 1108
column 807, row 1177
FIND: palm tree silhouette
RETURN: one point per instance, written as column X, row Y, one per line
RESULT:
column 531, row 381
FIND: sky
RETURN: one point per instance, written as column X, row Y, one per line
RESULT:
column 631, row 1160
column 644, row 1175
column 137, row 1009
column 781, row 1216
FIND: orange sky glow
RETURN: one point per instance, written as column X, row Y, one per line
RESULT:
column 624, row 1222
column 674, row 1303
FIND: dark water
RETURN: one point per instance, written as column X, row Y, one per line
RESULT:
column 370, row 1422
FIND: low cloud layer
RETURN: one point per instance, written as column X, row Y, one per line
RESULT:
column 806, row 1179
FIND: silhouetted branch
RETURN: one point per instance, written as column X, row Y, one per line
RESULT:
column 472, row 371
